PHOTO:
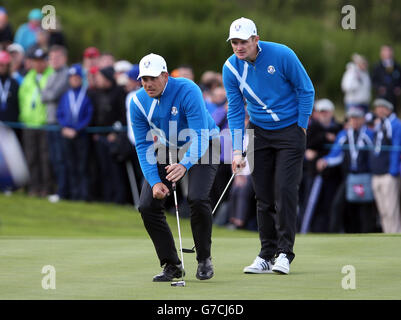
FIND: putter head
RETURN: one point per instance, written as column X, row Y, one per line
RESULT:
column 178, row 283
column 188, row 250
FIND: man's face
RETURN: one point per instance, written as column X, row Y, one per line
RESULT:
column 186, row 73
column 382, row 112
column 89, row 62
column 245, row 49
column 57, row 59
column 386, row 53
column 75, row 81
column 154, row 86
column 3, row 68
column 356, row 122
column 324, row 116
column 102, row 82
column 3, row 20
column 39, row 65
column 132, row 85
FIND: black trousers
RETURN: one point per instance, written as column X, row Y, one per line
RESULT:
column 200, row 182
column 351, row 217
column 76, row 157
column 37, row 156
column 276, row 175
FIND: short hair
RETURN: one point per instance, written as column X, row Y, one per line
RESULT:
column 60, row 48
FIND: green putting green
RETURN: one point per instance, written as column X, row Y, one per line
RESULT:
column 102, row 251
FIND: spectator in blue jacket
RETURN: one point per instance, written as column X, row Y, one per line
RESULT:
column 385, row 164
column 74, row 114
column 27, row 32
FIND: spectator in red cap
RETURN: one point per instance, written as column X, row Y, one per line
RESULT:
column 90, row 65
column 9, row 108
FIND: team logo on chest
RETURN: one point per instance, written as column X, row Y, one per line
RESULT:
column 271, row 69
column 174, row 111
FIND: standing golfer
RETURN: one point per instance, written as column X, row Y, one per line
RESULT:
column 279, row 96
column 169, row 116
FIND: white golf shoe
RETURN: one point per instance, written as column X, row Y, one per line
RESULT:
column 259, row 265
column 282, row 264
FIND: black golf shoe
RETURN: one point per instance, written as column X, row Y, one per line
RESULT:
column 205, row 269
column 170, row 272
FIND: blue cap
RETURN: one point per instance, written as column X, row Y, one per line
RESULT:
column 134, row 72
column 75, row 70
column 2, row 9
column 35, row 14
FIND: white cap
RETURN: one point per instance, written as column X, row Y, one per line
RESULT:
column 324, row 105
column 152, row 65
column 355, row 112
column 122, row 66
column 243, row 29
column 15, row 47
column 380, row 102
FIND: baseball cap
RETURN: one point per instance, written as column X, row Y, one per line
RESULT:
column 38, row 53
column 152, row 65
column 355, row 112
column 243, row 29
column 122, row 66
column 75, row 70
column 134, row 72
column 91, row 52
column 324, row 105
column 5, row 57
column 383, row 103
column 35, row 14
column 108, row 73
column 15, row 47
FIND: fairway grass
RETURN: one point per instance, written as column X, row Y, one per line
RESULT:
column 103, row 252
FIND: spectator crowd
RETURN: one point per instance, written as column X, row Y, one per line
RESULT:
column 71, row 117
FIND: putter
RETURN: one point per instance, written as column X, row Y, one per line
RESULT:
column 180, row 283
column 217, row 204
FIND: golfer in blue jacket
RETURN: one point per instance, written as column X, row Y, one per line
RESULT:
column 169, row 119
column 269, row 78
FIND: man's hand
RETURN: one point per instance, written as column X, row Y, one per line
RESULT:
column 310, row 154
column 238, row 161
column 111, row 137
column 160, row 191
column 68, row 133
column 303, row 129
column 321, row 164
column 175, row 172
column 240, row 181
column 330, row 136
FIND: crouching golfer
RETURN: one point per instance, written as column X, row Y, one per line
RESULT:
column 279, row 96
column 169, row 117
